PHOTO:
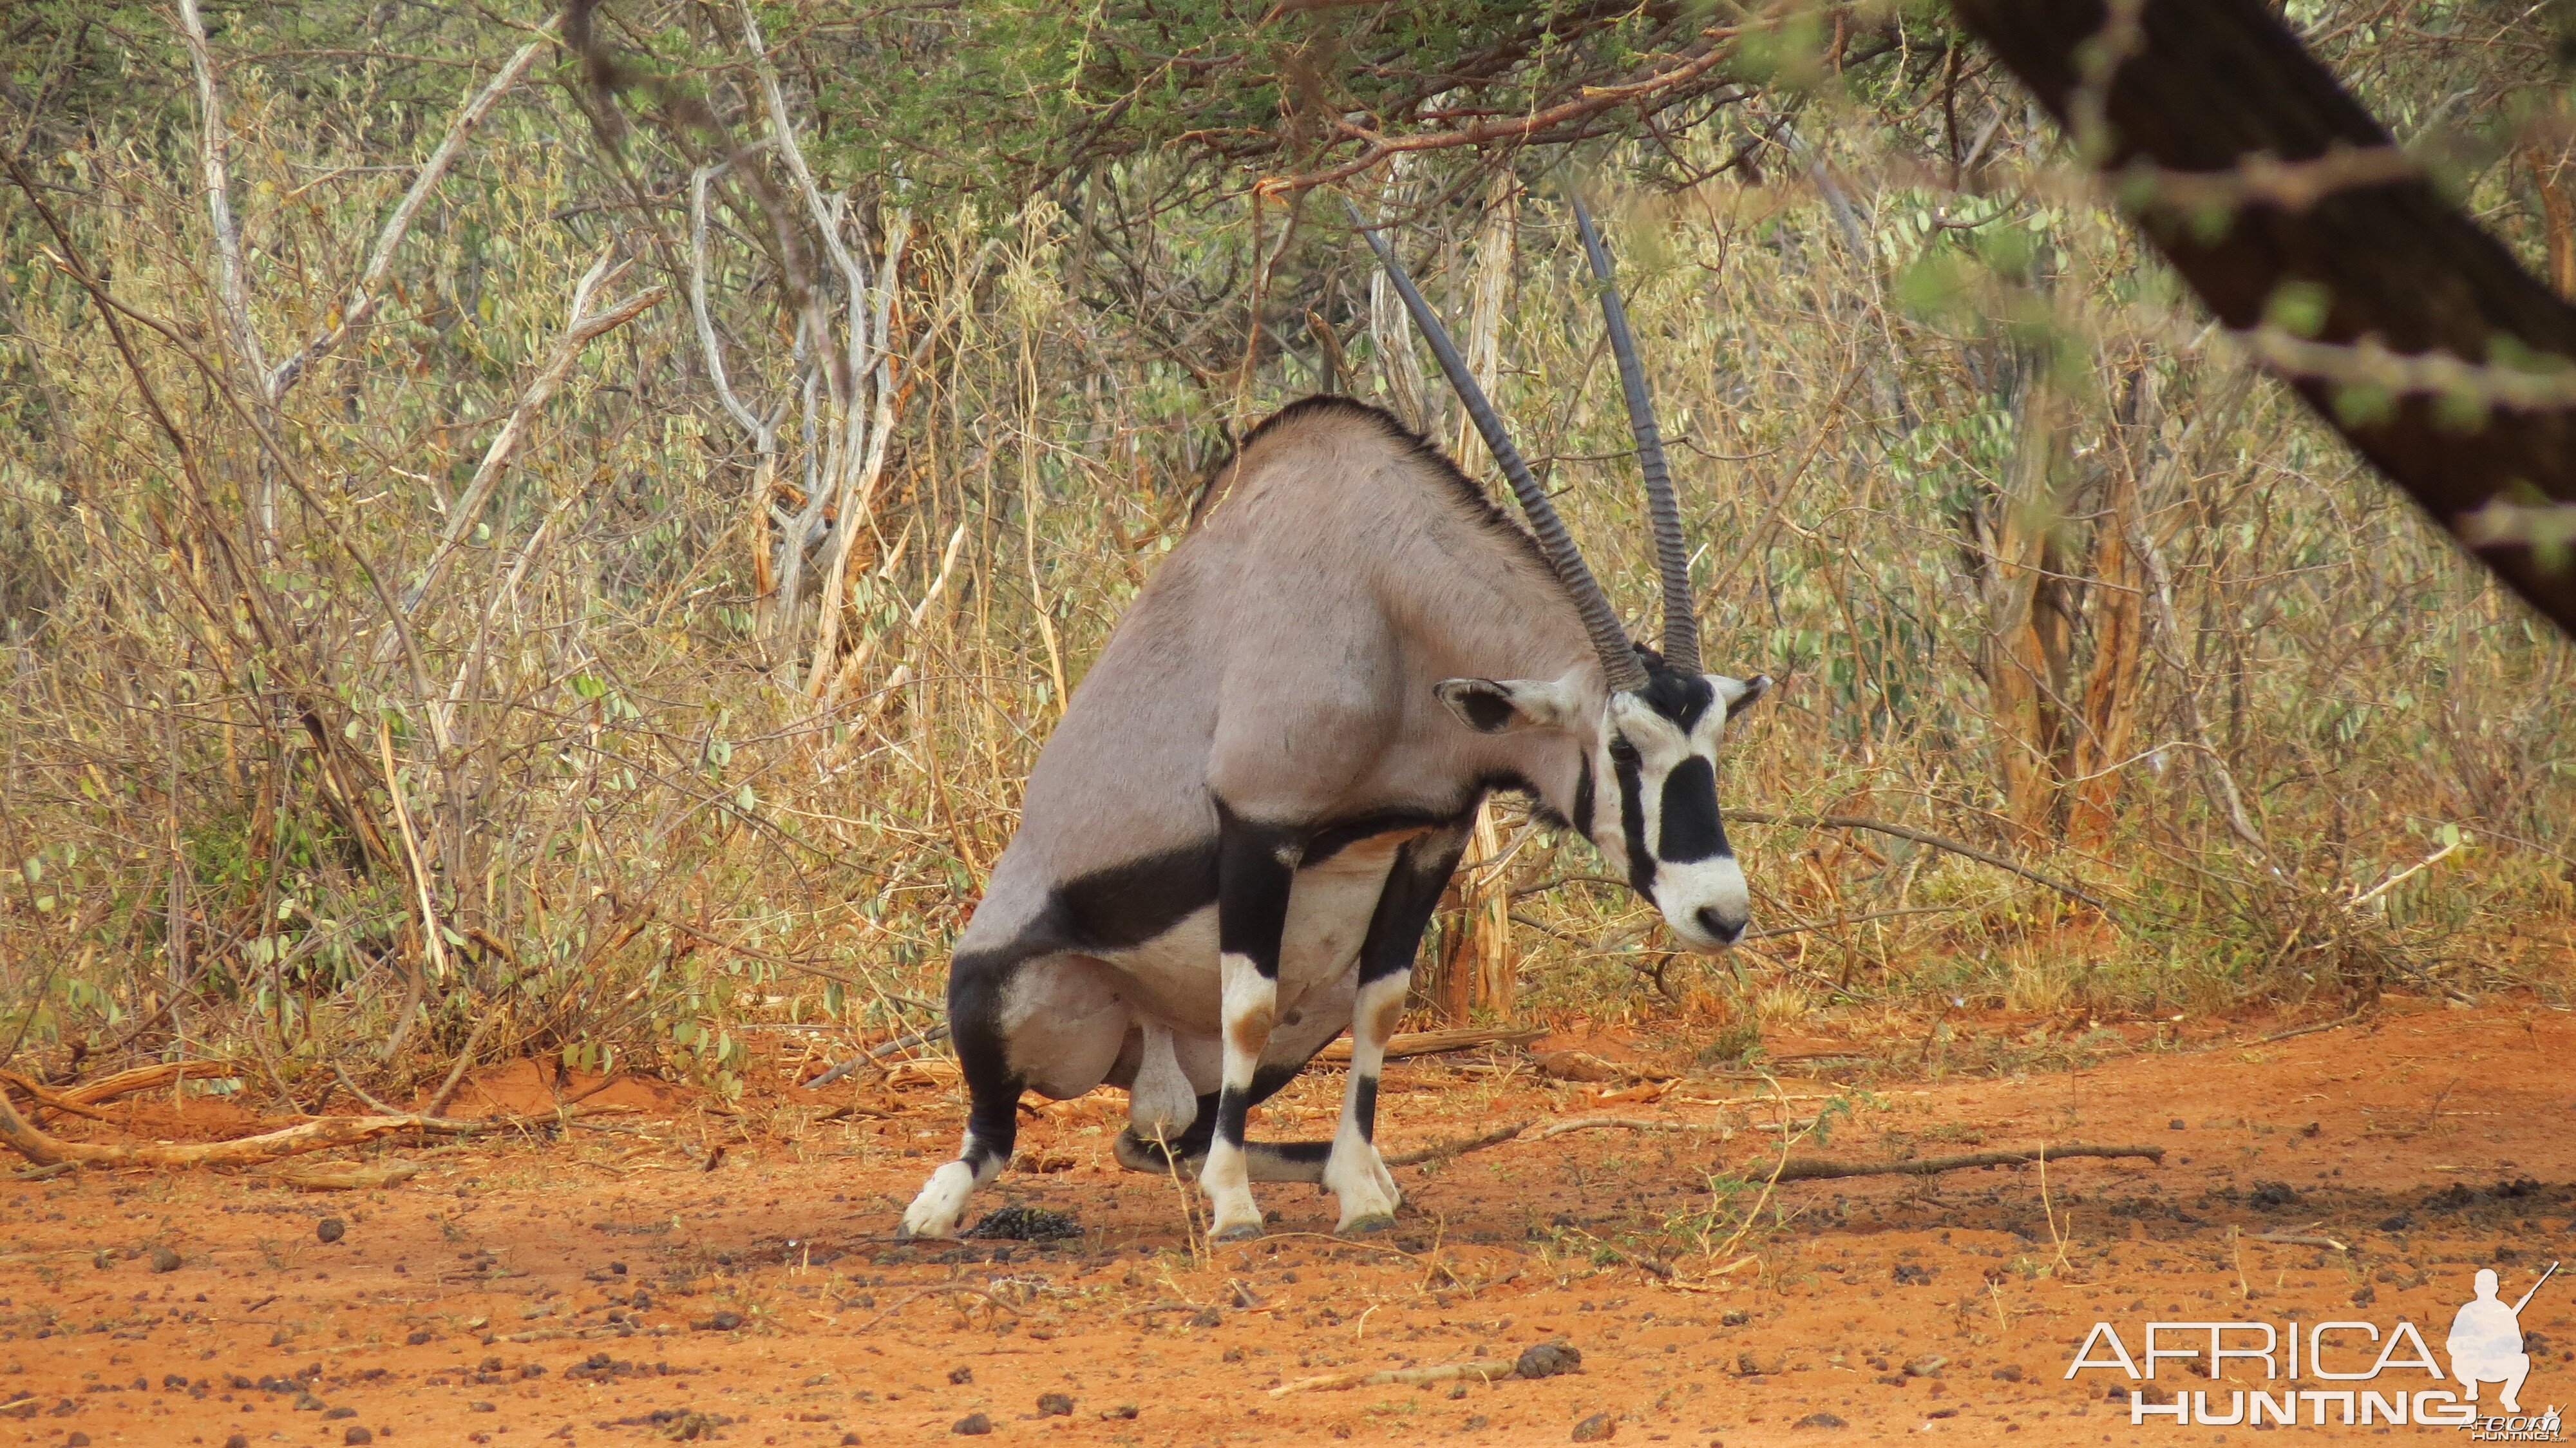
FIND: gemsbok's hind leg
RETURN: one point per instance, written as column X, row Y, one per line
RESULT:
column 1058, row 1014
column 1354, row 1173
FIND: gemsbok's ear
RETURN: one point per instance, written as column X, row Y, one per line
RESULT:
column 1740, row 694
column 1498, row 706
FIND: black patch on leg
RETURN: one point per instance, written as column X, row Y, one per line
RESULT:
column 1406, row 902
column 1256, row 864
column 976, row 984
column 1690, row 827
column 1404, row 908
column 1233, row 1108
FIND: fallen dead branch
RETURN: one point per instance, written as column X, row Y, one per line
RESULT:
column 1585, row 1066
column 1500, row 1134
column 346, row 1179
column 2309, row 1029
column 1444, row 1150
column 1482, row 1369
column 2293, row 1239
column 43, row 1149
column 1814, row 1169
column 48, row 1098
column 1623, row 1123
column 1924, row 837
column 1431, row 1043
column 144, row 1078
column 1678, row 1284
column 879, row 1052
column 953, row 1289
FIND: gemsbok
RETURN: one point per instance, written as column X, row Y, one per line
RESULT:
column 1231, row 846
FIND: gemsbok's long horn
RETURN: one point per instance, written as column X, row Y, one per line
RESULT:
column 1619, row 664
column 1672, row 553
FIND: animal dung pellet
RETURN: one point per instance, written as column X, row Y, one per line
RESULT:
column 1546, row 1360
column 1025, row 1224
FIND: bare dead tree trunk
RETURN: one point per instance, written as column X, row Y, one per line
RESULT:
column 2024, row 652
column 1399, row 369
column 2294, row 216
column 2118, row 616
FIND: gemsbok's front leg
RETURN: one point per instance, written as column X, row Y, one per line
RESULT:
column 1256, row 867
column 1355, row 1174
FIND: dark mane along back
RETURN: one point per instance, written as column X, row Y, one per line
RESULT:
column 1469, row 496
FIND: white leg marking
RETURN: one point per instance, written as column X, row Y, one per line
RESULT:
column 1354, row 1173
column 1250, row 1004
column 934, row 1213
column 942, row 1201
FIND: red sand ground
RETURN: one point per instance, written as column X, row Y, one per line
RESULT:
column 625, row 1283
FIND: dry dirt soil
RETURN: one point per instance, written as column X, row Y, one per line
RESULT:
column 668, row 1270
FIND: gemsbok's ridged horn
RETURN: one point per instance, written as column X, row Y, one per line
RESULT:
column 1672, row 554
column 1619, row 663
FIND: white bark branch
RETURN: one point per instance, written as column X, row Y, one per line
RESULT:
column 763, row 436
column 853, row 274
column 582, row 328
column 364, row 296
column 859, row 492
column 214, row 143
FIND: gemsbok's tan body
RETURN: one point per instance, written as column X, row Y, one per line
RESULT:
column 1232, row 844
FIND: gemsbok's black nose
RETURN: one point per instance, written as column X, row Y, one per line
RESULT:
column 1719, row 928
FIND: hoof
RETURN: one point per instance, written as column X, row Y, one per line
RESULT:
column 1363, row 1226
column 1239, row 1232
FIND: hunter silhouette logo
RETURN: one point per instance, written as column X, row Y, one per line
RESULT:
column 2486, row 1341
column 2363, row 1375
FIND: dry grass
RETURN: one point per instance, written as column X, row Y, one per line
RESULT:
column 635, row 771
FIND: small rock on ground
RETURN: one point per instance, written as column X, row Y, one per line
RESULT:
column 973, row 1425
column 164, row 1260
column 330, row 1229
column 1055, row 1405
column 1595, row 1429
column 1820, row 1420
